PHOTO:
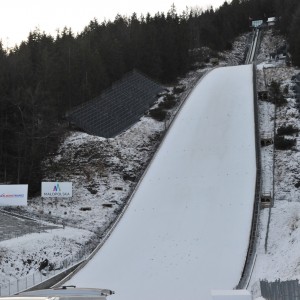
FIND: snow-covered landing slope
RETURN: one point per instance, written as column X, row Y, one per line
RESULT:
column 186, row 230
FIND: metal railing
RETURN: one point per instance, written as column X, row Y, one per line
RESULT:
column 280, row 290
column 135, row 188
column 254, row 46
column 11, row 287
column 251, row 253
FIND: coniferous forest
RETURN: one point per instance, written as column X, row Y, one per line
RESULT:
column 45, row 76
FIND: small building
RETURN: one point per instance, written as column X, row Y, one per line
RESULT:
column 266, row 200
column 263, row 95
column 271, row 21
column 214, row 61
column 272, row 55
column 256, row 23
column 266, row 139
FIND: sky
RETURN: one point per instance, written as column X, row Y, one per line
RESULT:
column 19, row 17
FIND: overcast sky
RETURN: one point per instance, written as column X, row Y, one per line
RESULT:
column 19, row 17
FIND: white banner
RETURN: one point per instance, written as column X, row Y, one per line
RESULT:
column 13, row 194
column 57, row 189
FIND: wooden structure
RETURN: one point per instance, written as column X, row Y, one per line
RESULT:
column 257, row 23
column 266, row 200
column 263, row 95
column 266, row 139
column 271, row 21
column 214, row 61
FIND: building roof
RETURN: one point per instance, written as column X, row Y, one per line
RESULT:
column 118, row 107
column 272, row 19
column 257, row 23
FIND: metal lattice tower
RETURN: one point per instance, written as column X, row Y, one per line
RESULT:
column 118, row 107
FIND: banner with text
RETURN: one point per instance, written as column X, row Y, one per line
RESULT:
column 57, row 189
column 13, row 194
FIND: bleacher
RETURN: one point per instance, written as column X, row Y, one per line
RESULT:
column 118, row 107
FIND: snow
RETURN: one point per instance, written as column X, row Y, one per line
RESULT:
column 283, row 244
column 187, row 227
column 267, row 171
column 236, row 55
column 94, row 163
column 54, row 243
column 278, row 247
column 44, row 239
column 103, row 172
column 265, row 65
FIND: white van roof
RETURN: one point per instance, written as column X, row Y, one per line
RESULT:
column 63, row 293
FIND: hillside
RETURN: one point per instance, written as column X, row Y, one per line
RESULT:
column 104, row 171
column 277, row 253
column 194, row 201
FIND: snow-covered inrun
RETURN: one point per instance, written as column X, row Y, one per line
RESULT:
column 186, row 230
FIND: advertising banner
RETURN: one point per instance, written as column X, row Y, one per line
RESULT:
column 13, row 194
column 57, row 189
column 257, row 23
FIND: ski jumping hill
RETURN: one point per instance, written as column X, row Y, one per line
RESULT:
column 186, row 230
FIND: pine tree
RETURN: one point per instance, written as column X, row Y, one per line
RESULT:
column 294, row 38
